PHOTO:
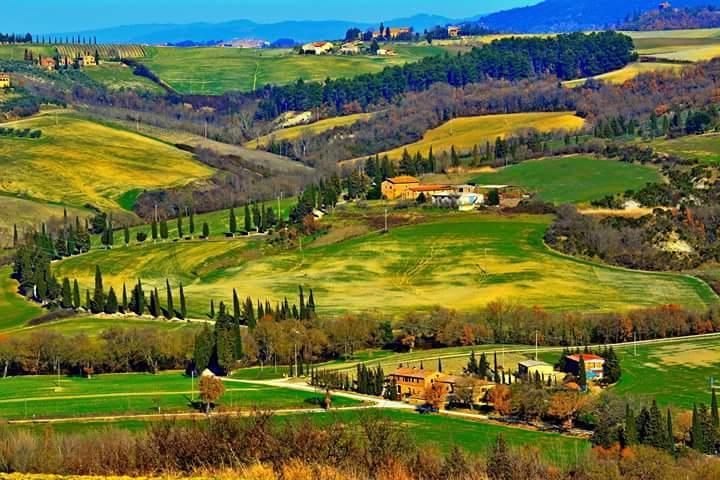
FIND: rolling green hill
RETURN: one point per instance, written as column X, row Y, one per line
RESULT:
column 572, row 179
column 213, row 70
column 483, row 258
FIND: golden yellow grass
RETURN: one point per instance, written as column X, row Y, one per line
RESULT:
column 629, row 72
column 77, row 162
column 689, row 355
column 466, row 132
column 313, row 128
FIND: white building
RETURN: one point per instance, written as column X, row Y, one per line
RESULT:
column 318, row 48
column 462, row 201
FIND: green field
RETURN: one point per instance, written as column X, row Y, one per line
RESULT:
column 678, row 45
column 573, row 179
column 117, row 76
column 483, row 258
column 17, row 52
column 15, row 311
column 213, row 70
column 466, row 132
column 123, row 394
column 676, row 373
column 78, row 162
column 704, row 148
column 92, row 326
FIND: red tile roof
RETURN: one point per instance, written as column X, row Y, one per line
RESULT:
column 586, row 357
column 429, row 188
column 413, row 372
column 403, row 179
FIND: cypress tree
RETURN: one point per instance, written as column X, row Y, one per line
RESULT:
column 249, row 314
column 180, row 225
column 204, row 347
column 248, row 224
column 582, row 374
column 630, row 431
column 15, row 236
column 439, row 365
column 483, row 366
column 232, row 222
column 239, row 353
column 472, row 366
column 311, row 304
column 183, row 306
column 191, row 225
column 76, row 294
column 212, row 308
column 126, row 234
column 164, row 229
column 696, row 433
column 111, row 306
column 496, row 372
column 236, row 307
column 170, row 305
column 206, row 230
column 301, row 297
column 154, row 230
column 67, row 301
column 124, row 299
column 88, row 302
column 714, row 410
column 225, row 346
column 98, row 303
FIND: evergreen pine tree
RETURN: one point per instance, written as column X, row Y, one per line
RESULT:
column 582, row 374
column 483, row 366
column 669, row 435
column 88, row 302
column 232, row 222
column 204, row 347
column 630, row 431
column 15, row 236
column 248, row 224
column 206, row 230
column 311, row 304
column 111, row 305
column 76, row 295
column 183, row 306
column 472, row 366
column 98, row 303
column 714, row 410
column 180, row 230
column 212, row 309
column 124, row 299
column 170, row 304
column 126, row 235
column 236, row 307
column 67, row 300
column 154, row 230
column 191, row 220
column 697, row 441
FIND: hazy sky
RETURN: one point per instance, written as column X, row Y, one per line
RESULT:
column 72, row 15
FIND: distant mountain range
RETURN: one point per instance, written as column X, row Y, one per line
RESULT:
column 545, row 17
column 575, row 15
column 301, row 31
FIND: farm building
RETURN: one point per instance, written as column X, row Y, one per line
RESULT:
column 394, row 188
column 394, row 32
column 453, row 31
column 386, row 52
column 593, row 365
column 87, row 61
column 48, row 63
column 413, row 382
column 428, row 191
column 532, row 368
column 4, row 80
column 350, row 49
column 457, row 200
column 317, row 48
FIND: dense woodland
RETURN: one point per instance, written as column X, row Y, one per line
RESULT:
column 565, row 56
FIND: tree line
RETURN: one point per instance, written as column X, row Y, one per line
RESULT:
column 565, row 56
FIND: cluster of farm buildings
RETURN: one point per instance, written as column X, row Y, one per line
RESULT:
column 413, row 383
column 5, row 81
column 463, row 197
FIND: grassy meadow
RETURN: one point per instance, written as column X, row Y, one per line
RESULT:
column 483, row 258
column 45, row 396
column 572, row 179
column 94, row 326
column 117, row 76
column 704, row 148
column 629, row 72
column 218, row 70
column 466, row 132
column 312, row 129
column 678, row 45
column 78, row 162
column 15, row 311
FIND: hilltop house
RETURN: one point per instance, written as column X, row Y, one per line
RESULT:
column 453, row 32
column 48, row 63
column 386, row 52
column 396, row 187
column 395, row 32
column 350, row 49
column 317, row 48
column 530, row 369
column 593, row 365
column 411, row 383
column 87, row 61
column 4, row 80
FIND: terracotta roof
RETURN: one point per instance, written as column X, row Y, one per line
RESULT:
column 403, row 179
column 413, row 372
column 320, row 44
column 585, row 356
column 429, row 188
column 448, row 378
